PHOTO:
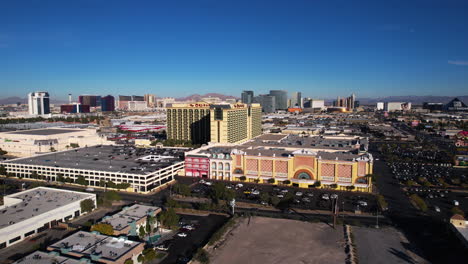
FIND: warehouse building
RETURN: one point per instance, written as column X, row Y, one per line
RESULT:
column 101, row 166
column 27, row 213
column 129, row 220
column 40, row 257
column 98, row 248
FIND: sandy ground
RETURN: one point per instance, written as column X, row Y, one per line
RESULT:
column 269, row 240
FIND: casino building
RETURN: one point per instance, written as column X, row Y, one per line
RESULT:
column 303, row 165
column 222, row 123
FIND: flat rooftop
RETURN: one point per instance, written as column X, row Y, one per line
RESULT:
column 135, row 212
column 40, row 257
column 87, row 244
column 37, row 201
column 123, row 159
column 45, row 132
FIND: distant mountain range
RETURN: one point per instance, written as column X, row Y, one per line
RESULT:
column 197, row 97
column 16, row 99
column 416, row 100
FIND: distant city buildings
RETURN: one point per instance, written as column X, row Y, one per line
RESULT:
column 314, row 104
column 349, row 102
column 296, row 100
column 108, row 103
column 91, row 100
column 39, row 103
column 247, row 97
column 74, row 108
column 150, row 100
column 380, row 106
column 202, row 122
column 267, row 102
column 281, row 99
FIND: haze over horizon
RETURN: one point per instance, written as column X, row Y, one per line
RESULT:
column 323, row 49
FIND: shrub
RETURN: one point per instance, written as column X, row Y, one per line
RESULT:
column 419, row 202
column 103, row 228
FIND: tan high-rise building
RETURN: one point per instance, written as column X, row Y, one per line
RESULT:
column 223, row 123
column 235, row 123
column 190, row 121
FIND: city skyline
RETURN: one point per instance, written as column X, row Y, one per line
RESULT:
column 321, row 49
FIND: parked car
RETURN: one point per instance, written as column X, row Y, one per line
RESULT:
column 362, row 203
column 456, row 203
column 298, row 193
column 334, row 196
column 325, row 196
column 182, row 234
column 437, row 209
column 255, row 192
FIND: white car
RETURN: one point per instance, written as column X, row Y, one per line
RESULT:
column 240, row 185
column 334, row 196
column 298, row 193
column 89, row 189
column 182, row 234
column 188, row 227
column 362, row 203
column 255, row 192
column 280, row 196
column 456, row 203
column 326, row 196
column 284, row 191
column 208, row 183
column 202, row 181
column 437, row 209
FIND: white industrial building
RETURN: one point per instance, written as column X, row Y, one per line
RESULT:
column 27, row 213
column 397, row 106
column 25, row 143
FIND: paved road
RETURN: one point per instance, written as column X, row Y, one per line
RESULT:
column 429, row 235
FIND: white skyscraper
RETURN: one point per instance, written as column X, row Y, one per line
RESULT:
column 38, row 103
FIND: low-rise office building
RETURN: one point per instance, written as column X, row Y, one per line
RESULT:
column 98, row 248
column 129, row 220
column 27, row 213
column 143, row 170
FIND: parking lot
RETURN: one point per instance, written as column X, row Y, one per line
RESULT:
column 313, row 199
column 182, row 248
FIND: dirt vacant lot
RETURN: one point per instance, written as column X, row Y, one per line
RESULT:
column 268, row 240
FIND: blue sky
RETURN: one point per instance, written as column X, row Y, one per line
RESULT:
column 176, row 48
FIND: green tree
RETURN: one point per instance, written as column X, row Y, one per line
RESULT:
column 147, row 255
column 103, row 228
column 457, row 210
column 3, row 170
column 34, row 175
column 60, row 177
column 182, row 189
column 274, row 200
column 271, row 180
column 264, row 197
column 141, row 231
column 169, row 218
column 81, row 180
column 419, row 202
column 128, row 261
column 3, row 152
column 287, row 182
column 242, row 178
column 87, row 205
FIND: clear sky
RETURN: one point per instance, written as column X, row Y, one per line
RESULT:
column 175, row 48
